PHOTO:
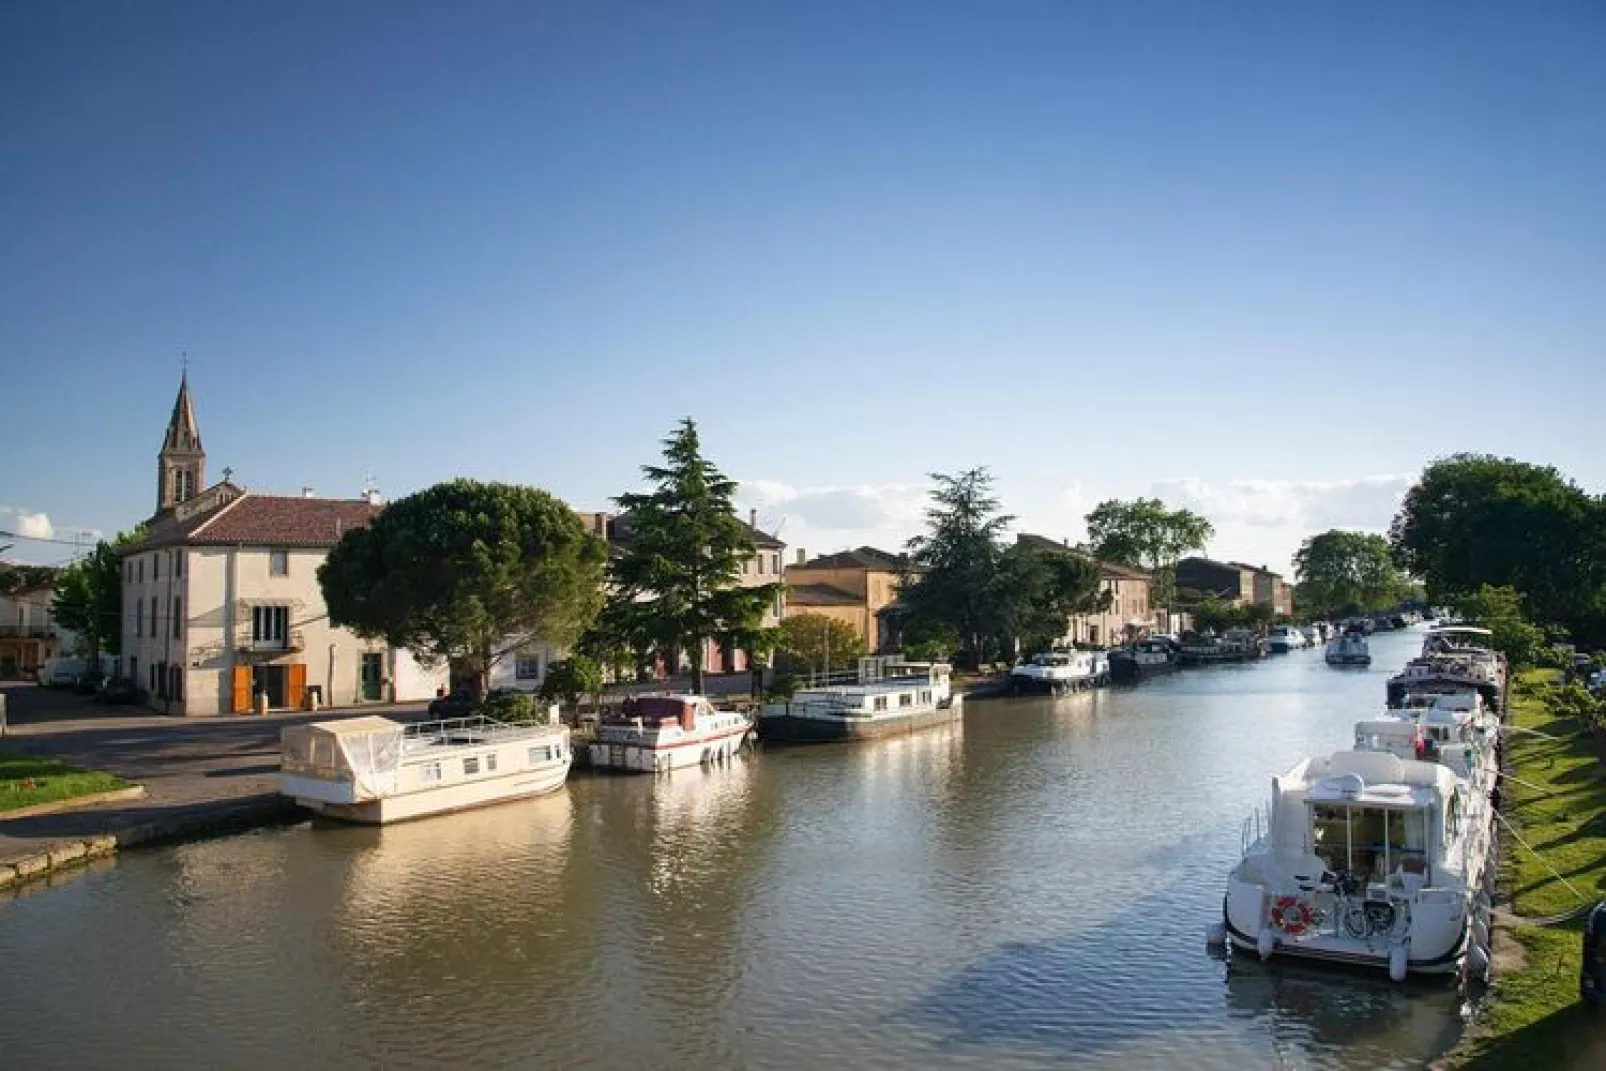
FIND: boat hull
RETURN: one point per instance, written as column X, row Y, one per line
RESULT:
column 1449, row 963
column 1020, row 684
column 795, row 729
column 645, row 758
column 484, row 792
column 1129, row 671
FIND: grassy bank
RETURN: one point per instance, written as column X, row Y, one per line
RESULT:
column 26, row 780
column 1533, row 1017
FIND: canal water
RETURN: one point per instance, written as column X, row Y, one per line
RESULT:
column 1029, row 889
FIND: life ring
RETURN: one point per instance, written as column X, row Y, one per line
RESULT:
column 1291, row 915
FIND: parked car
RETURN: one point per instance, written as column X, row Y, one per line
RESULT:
column 119, row 691
column 459, row 703
column 61, row 672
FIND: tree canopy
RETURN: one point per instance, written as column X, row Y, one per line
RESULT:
column 1500, row 610
column 956, row 565
column 1145, row 534
column 467, row 571
column 89, row 595
column 1044, row 588
column 1343, row 573
column 991, row 596
column 1474, row 519
column 677, row 582
column 816, row 643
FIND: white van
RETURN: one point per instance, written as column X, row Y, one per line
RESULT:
column 61, row 672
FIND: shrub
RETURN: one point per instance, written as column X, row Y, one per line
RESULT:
column 782, row 688
column 515, row 708
column 571, row 678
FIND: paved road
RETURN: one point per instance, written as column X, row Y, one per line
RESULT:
column 186, row 764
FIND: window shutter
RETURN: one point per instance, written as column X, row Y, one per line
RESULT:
column 242, row 690
column 298, row 685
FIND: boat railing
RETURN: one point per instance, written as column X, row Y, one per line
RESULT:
column 472, row 729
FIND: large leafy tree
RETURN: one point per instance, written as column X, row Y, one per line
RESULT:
column 1144, row 534
column 1343, row 572
column 1474, row 519
column 467, row 571
column 89, row 595
column 676, row 582
column 1044, row 588
column 817, row 642
column 956, row 566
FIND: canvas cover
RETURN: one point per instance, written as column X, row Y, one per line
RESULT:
column 364, row 751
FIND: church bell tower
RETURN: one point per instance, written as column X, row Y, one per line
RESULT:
column 181, row 465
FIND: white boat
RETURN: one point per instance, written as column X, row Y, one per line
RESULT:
column 375, row 770
column 1059, row 671
column 1315, row 634
column 656, row 734
column 887, row 696
column 1379, row 855
column 1349, row 649
column 1281, row 639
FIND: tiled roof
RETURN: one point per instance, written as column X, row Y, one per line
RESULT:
column 271, row 521
column 819, row 595
column 861, row 558
column 1054, row 546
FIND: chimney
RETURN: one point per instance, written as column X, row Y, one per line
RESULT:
column 1065, row 540
column 802, row 555
column 752, row 519
column 306, row 492
column 371, row 496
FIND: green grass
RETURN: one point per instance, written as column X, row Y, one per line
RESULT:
column 1533, row 1018
column 26, row 780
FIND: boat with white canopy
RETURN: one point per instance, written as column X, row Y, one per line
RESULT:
column 374, row 770
column 1054, row 672
column 888, row 696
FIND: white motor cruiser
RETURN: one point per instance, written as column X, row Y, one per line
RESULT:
column 1349, row 649
column 656, row 734
column 1367, row 858
column 1059, row 671
column 1281, row 639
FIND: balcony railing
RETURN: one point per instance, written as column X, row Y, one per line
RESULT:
column 292, row 641
column 26, row 632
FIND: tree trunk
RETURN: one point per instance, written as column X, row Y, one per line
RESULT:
column 697, row 667
column 482, row 674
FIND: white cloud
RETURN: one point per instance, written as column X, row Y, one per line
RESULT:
column 1265, row 521
column 1368, row 502
column 828, row 518
column 29, row 525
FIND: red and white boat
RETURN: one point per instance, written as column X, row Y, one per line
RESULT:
column 657, row 733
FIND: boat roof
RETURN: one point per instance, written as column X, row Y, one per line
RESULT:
column 1464, row 630
column 362, row 726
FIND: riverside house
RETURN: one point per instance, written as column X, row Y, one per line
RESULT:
column 221, row 602
column 857, row 587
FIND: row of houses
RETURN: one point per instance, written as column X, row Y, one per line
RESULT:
column 222, row 607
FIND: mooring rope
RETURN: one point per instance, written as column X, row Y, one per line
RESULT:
column 1553, row 920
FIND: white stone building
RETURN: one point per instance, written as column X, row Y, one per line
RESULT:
column 221, row 601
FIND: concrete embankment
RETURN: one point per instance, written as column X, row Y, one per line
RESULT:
column 202, row 777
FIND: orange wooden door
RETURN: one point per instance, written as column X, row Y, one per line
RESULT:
column 298, row 686
column 242, row 690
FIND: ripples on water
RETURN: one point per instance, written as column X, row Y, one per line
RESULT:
column 1030, row 888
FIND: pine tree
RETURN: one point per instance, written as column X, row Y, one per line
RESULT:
column 676, row 583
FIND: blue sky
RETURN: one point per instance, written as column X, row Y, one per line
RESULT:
column 1263, row 259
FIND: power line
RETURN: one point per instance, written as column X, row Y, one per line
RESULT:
column 84, row 533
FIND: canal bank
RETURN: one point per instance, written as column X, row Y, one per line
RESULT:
column 201, row 778
column 1554, row 799
column 1026, row 888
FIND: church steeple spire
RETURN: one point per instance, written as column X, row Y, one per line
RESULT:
column 181, row 464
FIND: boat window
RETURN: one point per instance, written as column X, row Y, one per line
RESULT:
column 471, row 765
column 925, row 697
column 1370, row 842
column 1452, row 816
column 880, row 702
column 490, row 763
column 905, row 699
column 431, row 771
column 539, row 755
column 1330, row 836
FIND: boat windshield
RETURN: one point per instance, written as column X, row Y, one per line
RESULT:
column 1371, row 843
